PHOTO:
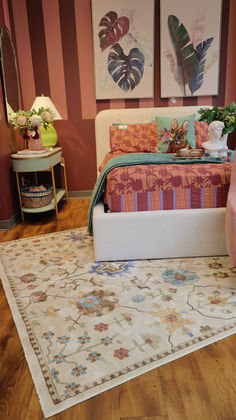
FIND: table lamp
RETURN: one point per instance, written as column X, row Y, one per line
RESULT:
column 49, row 136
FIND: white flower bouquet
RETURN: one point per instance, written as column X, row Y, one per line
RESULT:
column 29, row 122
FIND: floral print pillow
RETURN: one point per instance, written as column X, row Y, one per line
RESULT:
column 134, row 138
column 165, row 134
column 201, row 133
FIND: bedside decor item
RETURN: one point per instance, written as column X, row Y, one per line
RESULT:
column 214, row 146
column 48, row 133
column 190, row 153
column 225, row 114
column 29, row 123
column 35, row 196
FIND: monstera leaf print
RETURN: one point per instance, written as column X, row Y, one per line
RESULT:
column 114, row 29
column 201, row 51
column 187, row 60
column 126, row 70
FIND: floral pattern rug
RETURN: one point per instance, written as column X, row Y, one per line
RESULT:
column 86, row 327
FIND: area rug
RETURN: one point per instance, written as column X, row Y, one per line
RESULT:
column 86, row 327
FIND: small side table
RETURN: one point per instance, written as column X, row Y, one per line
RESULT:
column 36, row 163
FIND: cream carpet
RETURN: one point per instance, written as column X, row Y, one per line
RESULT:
column 86, row 327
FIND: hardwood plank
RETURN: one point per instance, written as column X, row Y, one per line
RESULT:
column 173, row 395
column 185, row 378
column 142, row 396
column 145, row 418
column 34, row 411
column 217, row 366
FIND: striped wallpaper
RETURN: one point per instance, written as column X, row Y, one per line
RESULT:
column 53, row 40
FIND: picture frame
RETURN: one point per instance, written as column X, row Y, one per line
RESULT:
column 123, row 42
column 190, row 47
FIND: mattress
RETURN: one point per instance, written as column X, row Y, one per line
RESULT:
column 167, row 187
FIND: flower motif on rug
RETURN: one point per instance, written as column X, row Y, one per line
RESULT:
column 213, row 302
column 54, row 258
column 94, row 356
column 28, row 278
column 101, row 327
column 75, row 237
column 96, row 303
column 106, row 340
column 138, row 298
column 112, row 269
column 71, row 387
column 84, row 339
column 38, row 296
column 221, row 275
column 79, row 370
column 62, row 340
column 121, row 353
column 48, row 335
column 179, row 277
column 59, row 358
column 173, row 320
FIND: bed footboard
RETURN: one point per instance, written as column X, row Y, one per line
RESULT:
column 158, row 234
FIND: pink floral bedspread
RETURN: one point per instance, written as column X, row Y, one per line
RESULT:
column 165, row 187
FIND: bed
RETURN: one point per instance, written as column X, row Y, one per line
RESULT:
column 163, row 233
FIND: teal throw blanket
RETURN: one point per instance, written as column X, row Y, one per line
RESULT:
column 138, row 159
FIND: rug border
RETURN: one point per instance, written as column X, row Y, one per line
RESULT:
column 48, row 408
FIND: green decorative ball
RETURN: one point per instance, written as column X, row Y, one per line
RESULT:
column 48, row 136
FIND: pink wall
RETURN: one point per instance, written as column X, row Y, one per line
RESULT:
column 57, row 60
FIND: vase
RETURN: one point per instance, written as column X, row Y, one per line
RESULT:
column 35, row 144
column 48, row 135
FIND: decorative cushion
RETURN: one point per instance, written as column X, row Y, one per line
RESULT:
column 201, row 133
column 134, row 138
column 164, row 130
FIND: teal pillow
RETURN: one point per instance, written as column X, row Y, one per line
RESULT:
column 164, row 125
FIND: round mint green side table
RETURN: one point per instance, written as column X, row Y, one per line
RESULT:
column 41, row 162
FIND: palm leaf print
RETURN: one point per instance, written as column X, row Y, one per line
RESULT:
column 126, row 70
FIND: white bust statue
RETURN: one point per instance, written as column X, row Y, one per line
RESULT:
column 215, row 145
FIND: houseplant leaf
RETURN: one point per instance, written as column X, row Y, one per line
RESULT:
column 114, row 29
column 201, row 51
column 126, row 70
column 187, row 61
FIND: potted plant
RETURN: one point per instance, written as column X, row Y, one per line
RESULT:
column 226, row 114
column 29, row 123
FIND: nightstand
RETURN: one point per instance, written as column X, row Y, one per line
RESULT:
column 37, row 163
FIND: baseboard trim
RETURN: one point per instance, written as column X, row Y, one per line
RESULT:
column 80, row 194
column 10, row 223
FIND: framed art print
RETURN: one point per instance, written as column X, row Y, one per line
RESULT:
column 190, row 47
column 123, row 41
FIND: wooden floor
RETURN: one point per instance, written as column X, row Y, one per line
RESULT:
column 199, row 386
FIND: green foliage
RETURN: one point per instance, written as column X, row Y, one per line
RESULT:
column 226, row 114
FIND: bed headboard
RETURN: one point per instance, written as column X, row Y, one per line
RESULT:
column 106, row 118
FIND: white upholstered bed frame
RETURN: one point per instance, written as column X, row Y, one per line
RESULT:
column 152, row 234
